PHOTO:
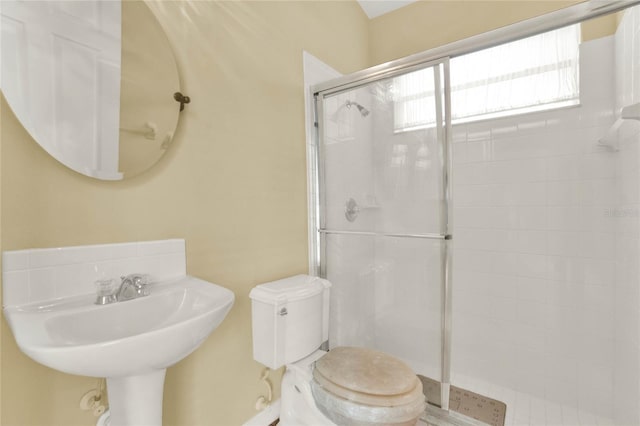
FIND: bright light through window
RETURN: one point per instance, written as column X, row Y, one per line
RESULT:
column 539, row 72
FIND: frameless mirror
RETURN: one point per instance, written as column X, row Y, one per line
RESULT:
column 92, row 81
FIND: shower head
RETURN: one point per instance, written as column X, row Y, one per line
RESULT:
column 363, row 111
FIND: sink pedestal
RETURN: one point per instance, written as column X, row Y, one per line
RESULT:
column 136, row 400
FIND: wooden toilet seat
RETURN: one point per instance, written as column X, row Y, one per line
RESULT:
column 366, row 376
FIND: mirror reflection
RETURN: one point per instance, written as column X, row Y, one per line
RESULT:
column 93, row 82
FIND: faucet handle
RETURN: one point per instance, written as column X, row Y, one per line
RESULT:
column 106, row 287
column 106, row 291
column 140, row 282
column 139, row 279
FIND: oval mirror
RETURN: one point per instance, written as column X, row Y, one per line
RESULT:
column 92, row 81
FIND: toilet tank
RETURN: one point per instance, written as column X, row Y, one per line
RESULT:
column 290, row 319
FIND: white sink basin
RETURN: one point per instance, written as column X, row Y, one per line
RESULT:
column 131, row 343
column 124, row 338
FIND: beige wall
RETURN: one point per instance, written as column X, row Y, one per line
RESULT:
column 233, row 183
column 599, row 27
column 427, row 24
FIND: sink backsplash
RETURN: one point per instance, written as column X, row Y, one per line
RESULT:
column 38, row 275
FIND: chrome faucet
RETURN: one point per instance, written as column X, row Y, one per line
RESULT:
column 131, row 287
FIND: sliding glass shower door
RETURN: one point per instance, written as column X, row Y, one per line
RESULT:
column 383, row 216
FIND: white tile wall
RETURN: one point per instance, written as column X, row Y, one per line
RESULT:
column 535, row 252
column 626, row 303
column 37, row 275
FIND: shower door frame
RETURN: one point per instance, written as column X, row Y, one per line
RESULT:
column 442, row 90
column 567, row 16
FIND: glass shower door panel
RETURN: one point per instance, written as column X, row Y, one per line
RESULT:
column 381, row 156
column 347, row 161
column 386, row 295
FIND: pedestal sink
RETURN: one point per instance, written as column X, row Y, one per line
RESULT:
column 131, row 343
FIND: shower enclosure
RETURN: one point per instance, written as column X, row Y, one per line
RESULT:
column 541, row 308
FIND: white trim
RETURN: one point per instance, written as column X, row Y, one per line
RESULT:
column 571, row 103
column 315, row 72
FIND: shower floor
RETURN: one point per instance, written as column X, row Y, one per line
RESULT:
column 528, row 410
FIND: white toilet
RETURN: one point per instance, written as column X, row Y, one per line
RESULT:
column 345, row 386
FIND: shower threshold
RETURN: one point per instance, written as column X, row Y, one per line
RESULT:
column 434, row 416
column 466, row 408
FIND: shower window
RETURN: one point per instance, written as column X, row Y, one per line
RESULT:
column 539, row 72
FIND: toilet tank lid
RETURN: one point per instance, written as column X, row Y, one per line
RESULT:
column 289, row 289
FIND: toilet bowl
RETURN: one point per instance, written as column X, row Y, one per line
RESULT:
column 345, row 386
